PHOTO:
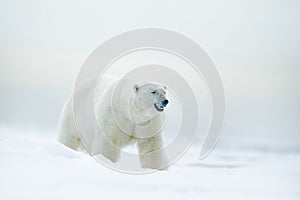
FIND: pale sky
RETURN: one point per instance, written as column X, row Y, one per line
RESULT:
column 254, row 44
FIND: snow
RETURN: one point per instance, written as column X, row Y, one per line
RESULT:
column 35, row 166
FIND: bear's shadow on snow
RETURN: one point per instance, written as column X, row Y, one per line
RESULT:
column 215, row 166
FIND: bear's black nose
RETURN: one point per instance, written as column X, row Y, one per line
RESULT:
column 165, row 102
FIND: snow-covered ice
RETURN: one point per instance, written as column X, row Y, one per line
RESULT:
column 35, row 166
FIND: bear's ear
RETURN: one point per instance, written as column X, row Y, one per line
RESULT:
column 136, row 87
column 165, row 87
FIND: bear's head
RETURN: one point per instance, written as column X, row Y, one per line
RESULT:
column 150, row 96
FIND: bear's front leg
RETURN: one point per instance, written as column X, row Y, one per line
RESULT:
column 150, row 157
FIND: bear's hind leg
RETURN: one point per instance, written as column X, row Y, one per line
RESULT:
column 105, row 147
column 69, row 141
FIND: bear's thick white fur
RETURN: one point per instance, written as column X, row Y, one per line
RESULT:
column 125, row 114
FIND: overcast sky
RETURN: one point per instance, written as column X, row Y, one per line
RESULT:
column 254, row 44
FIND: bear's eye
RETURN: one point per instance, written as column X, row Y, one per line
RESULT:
column 153, row 92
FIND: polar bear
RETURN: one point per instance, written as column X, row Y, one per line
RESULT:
column 126, row 112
